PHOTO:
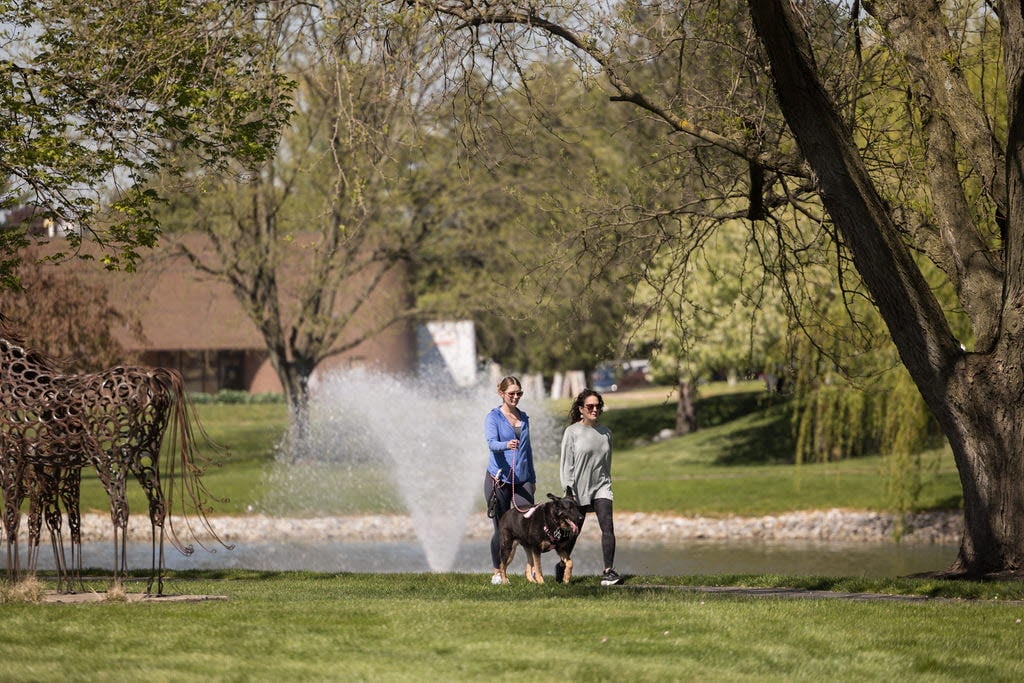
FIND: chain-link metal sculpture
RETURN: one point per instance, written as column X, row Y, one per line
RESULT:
column 52, row 425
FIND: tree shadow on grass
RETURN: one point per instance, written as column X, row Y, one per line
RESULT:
column 764, row 439
column 769, row 441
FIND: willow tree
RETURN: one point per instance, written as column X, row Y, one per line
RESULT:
column 99, row 98
column 938, row 176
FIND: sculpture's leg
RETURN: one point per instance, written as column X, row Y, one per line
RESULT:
column 13, row 483
column 51, row 514
column 149, row 478
column 38, row 486
column 70, row 493
column 112, row 474
column 158, row 559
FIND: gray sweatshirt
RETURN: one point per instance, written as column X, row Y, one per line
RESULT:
column 586, row 463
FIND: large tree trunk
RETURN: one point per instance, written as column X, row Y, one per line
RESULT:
column 985, row 427
column 976, row 397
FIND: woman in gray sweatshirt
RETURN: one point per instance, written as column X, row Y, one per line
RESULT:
column 586, row 466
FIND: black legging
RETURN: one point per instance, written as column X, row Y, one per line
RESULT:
column 524, row 499
column 602, row 507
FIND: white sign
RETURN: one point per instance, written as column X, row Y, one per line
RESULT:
column 448, row 348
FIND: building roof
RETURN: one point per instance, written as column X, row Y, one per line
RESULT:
column 181, row 308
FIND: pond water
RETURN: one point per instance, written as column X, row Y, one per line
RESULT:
column 698, row 557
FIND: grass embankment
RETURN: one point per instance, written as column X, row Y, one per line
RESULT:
column 739, row 463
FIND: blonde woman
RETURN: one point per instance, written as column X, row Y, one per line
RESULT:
column 510, row 477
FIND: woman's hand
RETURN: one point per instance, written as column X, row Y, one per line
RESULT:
column 513, row 444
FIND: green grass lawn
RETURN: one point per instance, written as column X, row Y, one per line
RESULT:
column 348, row 627
column 397, row 627
column 741, row 463
column 246, row 436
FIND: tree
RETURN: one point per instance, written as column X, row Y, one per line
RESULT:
column 941, row 175
column 974, row 395
column 358, row 193
column 539, row 154
column 717, row 312
column 97, row 98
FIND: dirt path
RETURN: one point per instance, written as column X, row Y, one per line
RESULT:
column 802, row 593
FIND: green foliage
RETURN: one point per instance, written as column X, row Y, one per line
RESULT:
column 97, row 99
column 853, row 397
column 887, row 416
column 537, row 259
column 712, row 306
column 832, row 423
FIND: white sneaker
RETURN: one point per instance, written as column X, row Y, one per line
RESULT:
column 495, row 579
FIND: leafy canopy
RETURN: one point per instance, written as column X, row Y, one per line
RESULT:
column 97, row 98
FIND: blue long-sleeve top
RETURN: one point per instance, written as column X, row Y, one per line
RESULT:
column 499, row 432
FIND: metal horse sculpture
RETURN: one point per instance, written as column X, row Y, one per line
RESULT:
column 52, row 425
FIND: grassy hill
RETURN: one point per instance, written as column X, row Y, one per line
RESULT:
column 740, row 462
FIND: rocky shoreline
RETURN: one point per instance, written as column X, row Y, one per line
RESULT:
column 834, row 526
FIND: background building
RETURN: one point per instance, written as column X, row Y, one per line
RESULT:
column 179, row 317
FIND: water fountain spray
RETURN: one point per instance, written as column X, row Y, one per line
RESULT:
column 413, row 445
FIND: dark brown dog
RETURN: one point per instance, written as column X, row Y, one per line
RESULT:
column 554, row 524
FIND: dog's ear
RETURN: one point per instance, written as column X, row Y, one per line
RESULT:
column 569, row 492
column 554, row 497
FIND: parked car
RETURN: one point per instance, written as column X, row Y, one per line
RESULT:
column 620, row 375
column 603, row 378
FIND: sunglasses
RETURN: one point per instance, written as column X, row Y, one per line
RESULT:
column 592, row 406
column 513, row 393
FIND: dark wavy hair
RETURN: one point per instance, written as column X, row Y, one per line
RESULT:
column 576, row 411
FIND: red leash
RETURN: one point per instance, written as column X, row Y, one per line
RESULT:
column 512, row 476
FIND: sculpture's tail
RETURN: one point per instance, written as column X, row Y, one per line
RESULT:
column 181, row 450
